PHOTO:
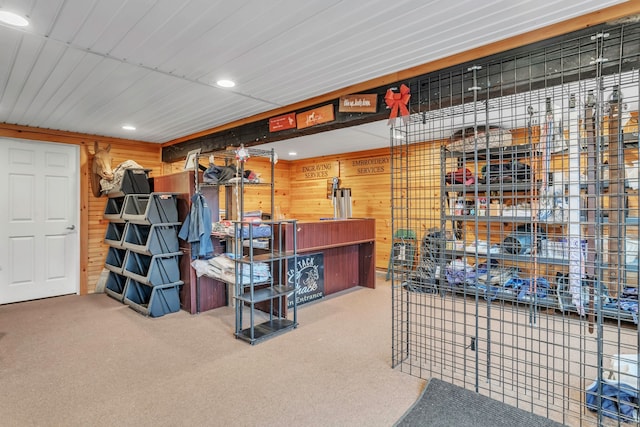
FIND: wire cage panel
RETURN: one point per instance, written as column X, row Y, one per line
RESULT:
column 519, row 180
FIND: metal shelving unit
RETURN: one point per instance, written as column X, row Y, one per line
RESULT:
column 265, row 297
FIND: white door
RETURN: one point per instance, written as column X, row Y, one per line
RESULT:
column 39, row 250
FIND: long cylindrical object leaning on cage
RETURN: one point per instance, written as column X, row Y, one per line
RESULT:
column 576, row 265
column 616, row 192
column 590, row 204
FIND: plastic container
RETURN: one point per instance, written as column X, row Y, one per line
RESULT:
column 153, row 301
column 154, row 208
column 113, row 209
column 151, row 239
column 134, row 181
column 115, row 286
column 114, row 234
column 115, row 259
column 152, row 270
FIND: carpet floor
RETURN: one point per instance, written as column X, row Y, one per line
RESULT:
column 92, row 361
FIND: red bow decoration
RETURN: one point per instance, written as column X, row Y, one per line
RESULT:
column 398, row 102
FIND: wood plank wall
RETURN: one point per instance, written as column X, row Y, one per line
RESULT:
column 301, row 189
column 148, row 156
column 257, row 198
column 366, row 173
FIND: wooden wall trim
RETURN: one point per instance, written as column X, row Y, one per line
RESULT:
column 84, row 222
column 594, row 18
column 65, row 137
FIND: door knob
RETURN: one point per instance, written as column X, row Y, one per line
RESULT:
column 72, row 227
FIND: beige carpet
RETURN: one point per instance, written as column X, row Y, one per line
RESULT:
column 91, row 361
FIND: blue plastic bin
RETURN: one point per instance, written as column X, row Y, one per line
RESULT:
column 113, row 209
column 154, row 208
column 151, row 239
column 115, row 259
column 115, row 286
column 153, row 301
column 114, row 234
column 153, row 270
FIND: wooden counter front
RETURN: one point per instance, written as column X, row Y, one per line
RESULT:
column 348, row 246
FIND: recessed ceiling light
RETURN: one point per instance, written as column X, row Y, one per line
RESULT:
column 128, row 127
column 293, row 153
column 226, row 83
column 13, row 19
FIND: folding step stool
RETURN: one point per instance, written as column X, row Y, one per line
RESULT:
column 403, row 251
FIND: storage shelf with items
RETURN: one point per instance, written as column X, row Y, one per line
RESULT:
column 228, row 174
column 491, row 212
column 143, row 254
column 534, row 211
column 264, row 280
column 195, row 295
column 229, row 170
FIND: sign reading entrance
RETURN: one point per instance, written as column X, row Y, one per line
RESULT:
column 309, row 279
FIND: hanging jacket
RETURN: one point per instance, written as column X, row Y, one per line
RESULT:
column 196, row 228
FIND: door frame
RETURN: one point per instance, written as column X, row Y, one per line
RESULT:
column 51, row 136
column 81, row 213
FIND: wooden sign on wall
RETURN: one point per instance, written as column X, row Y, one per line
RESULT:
column 366, row 166
column 316, row 170
column 316, row 116
column 359, row 103
column 286, row 121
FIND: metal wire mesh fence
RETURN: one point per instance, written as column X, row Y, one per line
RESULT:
column 515, row 221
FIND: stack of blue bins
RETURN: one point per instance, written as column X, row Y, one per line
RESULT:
column 116, row 281
column 152, row 261
column 143, row 257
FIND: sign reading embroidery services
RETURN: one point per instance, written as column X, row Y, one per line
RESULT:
column 367, row 166
column 309, row 279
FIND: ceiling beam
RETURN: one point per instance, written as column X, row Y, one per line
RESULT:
column 612, row 13
column 424, row 97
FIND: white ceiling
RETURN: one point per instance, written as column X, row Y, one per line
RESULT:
column 92, row 66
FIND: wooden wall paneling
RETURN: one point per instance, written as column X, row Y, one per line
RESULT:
column 365, row 172
column 147, row 156
column 255, row 198
column 282, row 189
column 85, row 191
column 308, row 187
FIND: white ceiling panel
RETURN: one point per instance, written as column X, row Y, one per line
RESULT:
column 93, row 65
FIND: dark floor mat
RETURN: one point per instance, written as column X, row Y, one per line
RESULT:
column 444, row 404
